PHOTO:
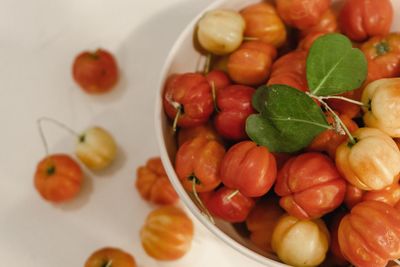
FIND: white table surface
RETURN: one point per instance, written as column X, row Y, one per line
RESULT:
column 38, row 41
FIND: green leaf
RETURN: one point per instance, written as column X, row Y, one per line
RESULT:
column 263, row 132
column 288, row 119
column 259, row 98
column 334, row 66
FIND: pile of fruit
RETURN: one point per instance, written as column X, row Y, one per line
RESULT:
column 292, row 128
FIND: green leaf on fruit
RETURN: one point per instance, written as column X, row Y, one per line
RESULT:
column 288, row 119
column 334, row 66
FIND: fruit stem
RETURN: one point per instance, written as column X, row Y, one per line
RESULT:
column 214, row 96
column 41, row 132
column 341, row 98
column 339, row 121
column 203, row 207
column 207, row 65
column 108, row 263
column 175, row 123
column 248, row 38
column 233, row 194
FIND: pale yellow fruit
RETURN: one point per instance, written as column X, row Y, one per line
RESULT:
column 373, row 163
column 221, row 31
column 383, row 98
column 300, row 242
column 96, row 148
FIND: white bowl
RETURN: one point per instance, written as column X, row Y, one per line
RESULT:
column 182, row 58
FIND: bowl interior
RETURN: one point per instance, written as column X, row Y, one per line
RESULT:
column 184, row 57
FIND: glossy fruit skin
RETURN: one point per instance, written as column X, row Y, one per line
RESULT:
column 167, row 233
column 290, row 69
column 234, row 104
column 220, row 31
column 308, row 40
column 389, row 195
column 264, row 23
column 262, row 221
column 199, row 160
column 205, row 130
column 354, row 195
column 192, row 93
column 329, row 140
column 370, row 234
column 310, row 186
column 95, row 72
column 219, row 79
column 373, row 163
column 96, row 148
column 300, row 242
column 360, row 19
column 153, row 184
column 383, row 100
column 251, row 63
column 112, row 257
column 234, row 210
column 249, row 168
column 58, row 178
column 302, row 14
column 327, row 24
column 383, row 56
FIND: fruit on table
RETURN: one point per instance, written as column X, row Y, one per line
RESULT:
column 382, row 100
column 383, row 55
column 370, row 234
column 206, row 130
column 300, row 242
column 153, row 184
column 197, row 164
column 360, row 19
column 110, row 257
column 58, row 178
column 329, row 140
column 262, row 221
column 234, row 104
column 95, row 72
column 167, row 233
column 290, row 69
column 373, row 163
column 190, row 95
column 302, row 14
column 249, row 168
column 96, row 148
column 220, row 31
column 251, row 63
column 264, row 24
column 327, row 23
column 228, row 205
column 310, row 186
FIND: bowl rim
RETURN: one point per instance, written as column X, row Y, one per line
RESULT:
column 166, row 161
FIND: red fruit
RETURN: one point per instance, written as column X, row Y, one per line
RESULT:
column 96, row 72
column 310, row 186
column 249, row 168
column 58, row 178
column 232, row 209
column 234, row 103
column 191, row 93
